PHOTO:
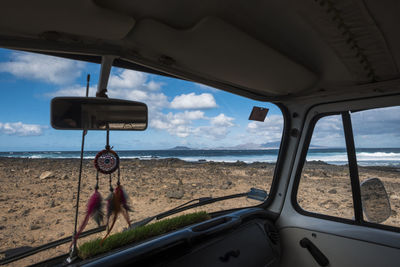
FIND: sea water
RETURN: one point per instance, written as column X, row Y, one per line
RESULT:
column 337, row 156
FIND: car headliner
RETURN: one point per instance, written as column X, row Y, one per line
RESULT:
column 276, row 50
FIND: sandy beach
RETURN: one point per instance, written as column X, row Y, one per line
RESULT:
column 37, row 196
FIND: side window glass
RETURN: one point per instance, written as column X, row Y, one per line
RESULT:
column 377, row 142
column 325, row 186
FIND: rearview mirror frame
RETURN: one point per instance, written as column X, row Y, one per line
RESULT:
column 98, row 113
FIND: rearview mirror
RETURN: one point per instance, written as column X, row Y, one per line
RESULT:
column 96, row 113
column 375, row 201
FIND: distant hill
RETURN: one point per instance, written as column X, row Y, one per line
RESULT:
column 246, row 146
column 180, row 148
column 272, row 145
column 252, row 146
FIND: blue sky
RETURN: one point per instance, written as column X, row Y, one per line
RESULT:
column 180, row 112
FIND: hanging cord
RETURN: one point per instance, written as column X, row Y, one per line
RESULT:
column 87, row 85
column 119, row 175
column 110, row 180
column 108, row 138
column 108, row 148
column 73, row 252
column 97, row 181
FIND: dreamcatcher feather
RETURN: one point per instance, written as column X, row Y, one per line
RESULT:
column 93, row 210
column 117, row 202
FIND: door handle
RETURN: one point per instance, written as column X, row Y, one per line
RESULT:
column 319, row 257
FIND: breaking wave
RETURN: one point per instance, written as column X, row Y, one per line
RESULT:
column 379, row 156
column 363, row 158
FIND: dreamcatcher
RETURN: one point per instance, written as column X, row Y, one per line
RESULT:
column 106, row 162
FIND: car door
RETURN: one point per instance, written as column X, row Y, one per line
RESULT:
column 317, row 229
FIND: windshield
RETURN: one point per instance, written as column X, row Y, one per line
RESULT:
column 199, row 143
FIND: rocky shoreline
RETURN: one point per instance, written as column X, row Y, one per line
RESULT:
column 37, row 196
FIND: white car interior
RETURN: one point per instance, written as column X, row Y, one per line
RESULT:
column 309, row 57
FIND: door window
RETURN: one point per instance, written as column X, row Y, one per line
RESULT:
column 377, row 141
column 325, row 182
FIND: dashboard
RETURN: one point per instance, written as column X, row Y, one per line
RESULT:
column 246, row 237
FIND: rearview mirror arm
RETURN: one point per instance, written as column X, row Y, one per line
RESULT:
column 106, row 65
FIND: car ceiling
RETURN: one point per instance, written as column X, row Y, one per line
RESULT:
column 273, row 49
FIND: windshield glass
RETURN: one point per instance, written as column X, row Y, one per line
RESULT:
column 199, row 143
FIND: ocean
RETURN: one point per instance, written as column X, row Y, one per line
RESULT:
column 337, row 156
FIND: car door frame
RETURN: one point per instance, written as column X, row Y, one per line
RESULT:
column 294, row 222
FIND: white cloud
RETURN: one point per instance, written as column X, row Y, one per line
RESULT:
column 181, row 124
column 371, row 128
column 43, row 68
column 328, row 132
column 21, row 129
column 377, row 127
column 377, row 121
column 154, row 101
column 193, row 101
column 133, row 85
column 329, row 124
column 218, row 128
column 213, row 132
column 154, row 86
column 128, row 79
column 74, row 90
column 177, row 124
column 268, row 131
column 125, row 84
column 222, row 120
